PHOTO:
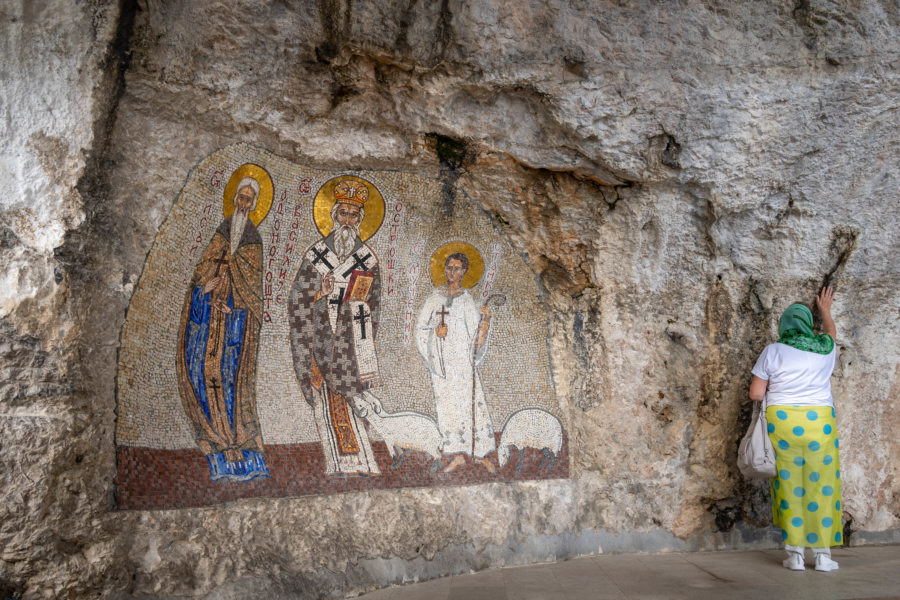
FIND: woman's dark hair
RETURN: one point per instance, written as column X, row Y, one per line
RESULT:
column 460, row 257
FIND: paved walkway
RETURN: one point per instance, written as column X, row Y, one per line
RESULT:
column 866, row 572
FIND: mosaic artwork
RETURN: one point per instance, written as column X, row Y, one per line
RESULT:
column 298, row 332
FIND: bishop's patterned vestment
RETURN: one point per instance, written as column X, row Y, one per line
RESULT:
column 332, row 345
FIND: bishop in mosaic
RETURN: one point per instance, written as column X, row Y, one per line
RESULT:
column 218, row 336
column 333, row 315
column 452, row 335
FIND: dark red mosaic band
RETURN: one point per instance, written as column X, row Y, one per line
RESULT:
column 164, row 479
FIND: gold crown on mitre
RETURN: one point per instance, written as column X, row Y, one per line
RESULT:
column 351, row 192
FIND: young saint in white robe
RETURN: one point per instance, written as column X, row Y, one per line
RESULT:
column 450, row 340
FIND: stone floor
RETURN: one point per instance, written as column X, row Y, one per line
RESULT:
column 866, row 572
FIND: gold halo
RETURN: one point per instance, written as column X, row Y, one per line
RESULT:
column 476, row 263
column 263, row 203
column 324, row 202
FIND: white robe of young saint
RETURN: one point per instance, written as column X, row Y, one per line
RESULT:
column 452, row 362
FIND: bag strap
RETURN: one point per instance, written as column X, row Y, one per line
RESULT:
column 758, row 407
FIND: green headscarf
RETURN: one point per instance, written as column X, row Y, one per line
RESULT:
column 795, row 328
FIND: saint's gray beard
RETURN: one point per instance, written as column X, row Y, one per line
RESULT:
column 238, row 222
column 344, row 240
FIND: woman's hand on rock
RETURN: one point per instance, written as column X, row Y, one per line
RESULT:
column 824, row 300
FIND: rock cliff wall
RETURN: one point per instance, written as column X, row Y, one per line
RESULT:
column 674, row 173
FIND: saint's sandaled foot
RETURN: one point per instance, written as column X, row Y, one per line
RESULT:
column 487, row 464
column 456, row 463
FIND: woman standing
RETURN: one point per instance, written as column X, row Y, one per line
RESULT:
column 794, row 377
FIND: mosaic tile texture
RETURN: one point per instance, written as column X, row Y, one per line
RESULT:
column 297, row 331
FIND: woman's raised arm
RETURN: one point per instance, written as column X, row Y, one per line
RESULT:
column 823, row 301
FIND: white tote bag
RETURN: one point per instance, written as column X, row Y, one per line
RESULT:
column 756, row 456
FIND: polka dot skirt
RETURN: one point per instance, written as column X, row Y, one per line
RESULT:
column 806, row 494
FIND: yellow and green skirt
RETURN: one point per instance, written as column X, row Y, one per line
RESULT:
column 806, row 494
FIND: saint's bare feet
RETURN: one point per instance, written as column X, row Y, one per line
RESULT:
column 487, row 464
column 457, row 462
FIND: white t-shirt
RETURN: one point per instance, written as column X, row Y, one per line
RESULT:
column 796, row 377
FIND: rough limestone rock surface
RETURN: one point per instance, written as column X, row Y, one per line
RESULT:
column 675, row 174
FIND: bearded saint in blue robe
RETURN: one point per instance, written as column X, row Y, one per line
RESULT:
column 218, row 341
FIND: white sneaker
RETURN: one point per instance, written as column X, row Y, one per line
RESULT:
column 825, row 563
column 794, row 562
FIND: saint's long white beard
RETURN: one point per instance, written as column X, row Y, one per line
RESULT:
column 238, row 221
column 345, row 239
